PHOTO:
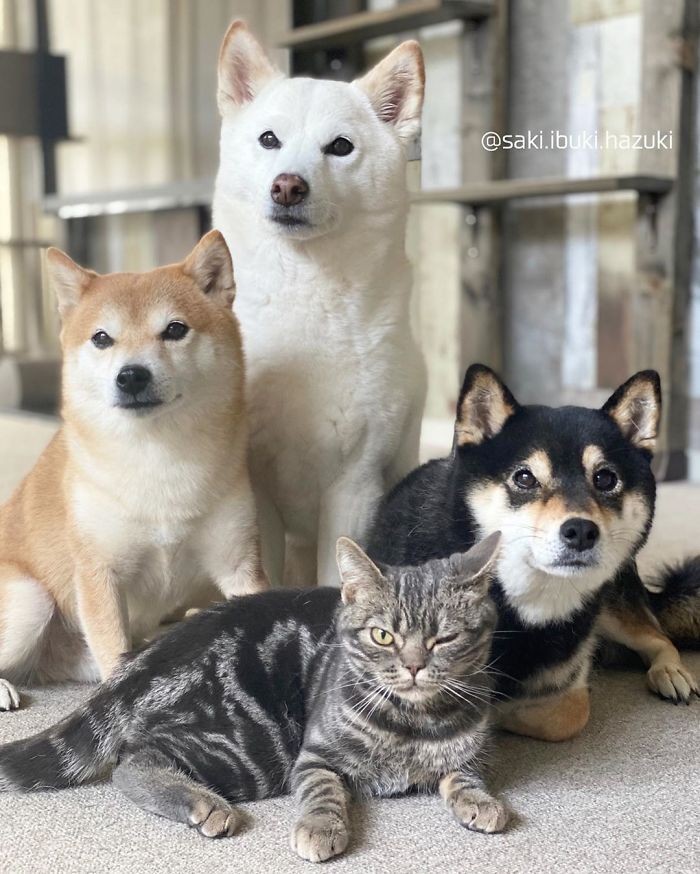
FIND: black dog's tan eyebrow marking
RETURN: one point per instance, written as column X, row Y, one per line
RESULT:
column 592, row 458
column 541, row 465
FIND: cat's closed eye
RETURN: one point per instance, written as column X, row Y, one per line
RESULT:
column 445, row 638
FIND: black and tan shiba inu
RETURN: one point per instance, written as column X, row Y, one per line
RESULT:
column 573, row 493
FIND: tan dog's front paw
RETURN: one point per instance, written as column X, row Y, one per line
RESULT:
column 478, row 811
column 671, row 680
column 9, row 696
column 213, row 818
column 317, row 838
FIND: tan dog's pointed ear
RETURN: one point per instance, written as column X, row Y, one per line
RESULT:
column 209, row 264
column 244, row 68
column 69, row 280
column 485, row 405
column 395, row 88
column 359, row 575
column 636, row 409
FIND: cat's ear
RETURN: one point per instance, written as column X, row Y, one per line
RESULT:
column 636, row 409
column 477, row 563
column 244, row 68
column 359, row 575
column 485, row 405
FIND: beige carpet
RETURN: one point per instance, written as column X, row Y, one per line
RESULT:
column 624, row 797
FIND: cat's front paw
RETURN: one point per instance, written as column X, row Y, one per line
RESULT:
column 317, row 838
column 9, row 696
column 478, row 811
column 672, row 681
column 213, row 817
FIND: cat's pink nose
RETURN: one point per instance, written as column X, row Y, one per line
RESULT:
column 415, row 667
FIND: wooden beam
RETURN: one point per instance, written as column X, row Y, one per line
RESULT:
column 484, row 108
column 367, row 25
column 664, row 230
column 503, row 190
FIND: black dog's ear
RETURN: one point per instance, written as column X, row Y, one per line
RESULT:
column 485, row 405
column 636, row 409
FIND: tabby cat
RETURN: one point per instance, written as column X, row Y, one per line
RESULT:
column 374, row 690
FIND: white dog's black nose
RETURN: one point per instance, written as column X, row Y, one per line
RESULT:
column 579, row 534
column 133, row 379
column 288, row 189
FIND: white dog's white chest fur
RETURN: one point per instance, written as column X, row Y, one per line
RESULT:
column 327, row 388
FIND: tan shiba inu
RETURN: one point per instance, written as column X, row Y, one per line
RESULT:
column 139, row 503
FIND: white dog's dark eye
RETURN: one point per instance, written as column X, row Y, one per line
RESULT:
column 102, row 340
column 605, row 480
column 269, row 141
column 175, row 331
column 341, row 146
column 525, row 479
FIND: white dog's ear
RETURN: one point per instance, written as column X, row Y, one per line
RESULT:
column 209, row 264
column 244, row 68
column 69, row 279
column 395, row 88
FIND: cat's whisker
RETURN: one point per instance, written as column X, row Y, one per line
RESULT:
column 470, row 691
column 476, row 704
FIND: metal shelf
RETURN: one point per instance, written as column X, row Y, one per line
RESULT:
column 368, row 25
column 179, row 195
column 198, row 193
column 503, row 190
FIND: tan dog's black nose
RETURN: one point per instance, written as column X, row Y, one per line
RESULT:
column 133, row 379
column 288, row 189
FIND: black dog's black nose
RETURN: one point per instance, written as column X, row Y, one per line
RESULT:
column 133, row 379
column 579, row 534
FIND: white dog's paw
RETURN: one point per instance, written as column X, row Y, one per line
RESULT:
column 9, row 696
column 671, row 680
column 320, row 837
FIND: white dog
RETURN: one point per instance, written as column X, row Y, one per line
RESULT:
column 311, row 197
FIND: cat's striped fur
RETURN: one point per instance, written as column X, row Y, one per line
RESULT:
column 290, row 690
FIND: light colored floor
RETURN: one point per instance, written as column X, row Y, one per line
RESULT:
column 623, row 797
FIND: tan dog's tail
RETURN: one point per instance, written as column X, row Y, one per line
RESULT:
column 674, row 598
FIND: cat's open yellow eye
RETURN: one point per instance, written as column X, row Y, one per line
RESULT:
column 382, row 637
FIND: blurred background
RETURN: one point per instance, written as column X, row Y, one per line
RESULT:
column 567, row 265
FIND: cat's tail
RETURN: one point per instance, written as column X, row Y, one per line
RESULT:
column 75, row 750
column 674, row 597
